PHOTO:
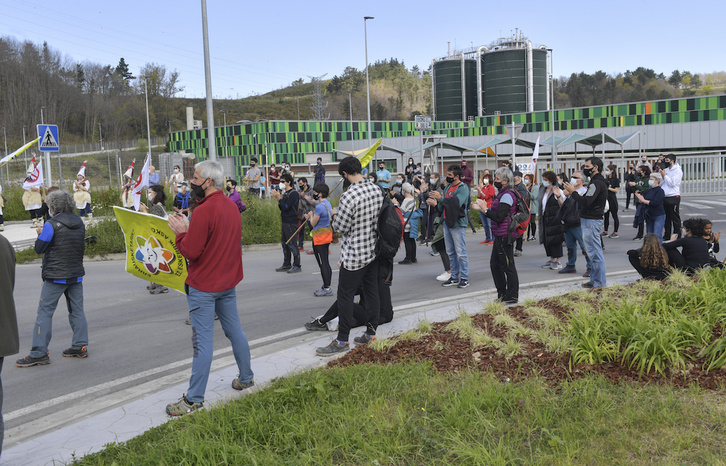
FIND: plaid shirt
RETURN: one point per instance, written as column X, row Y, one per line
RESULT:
column 356, row 222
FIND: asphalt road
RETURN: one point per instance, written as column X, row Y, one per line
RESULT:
column 136, row 337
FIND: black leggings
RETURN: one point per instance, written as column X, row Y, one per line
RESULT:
column 321, row 255
column 410, row 244
column 441, row 248
column 614, row 212
column 532, row 229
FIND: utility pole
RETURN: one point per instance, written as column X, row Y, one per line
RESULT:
column 319, row 105
column 208, row 80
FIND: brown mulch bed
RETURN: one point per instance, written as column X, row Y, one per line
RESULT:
column 450, row 353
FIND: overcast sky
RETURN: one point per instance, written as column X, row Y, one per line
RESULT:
column 260, row 46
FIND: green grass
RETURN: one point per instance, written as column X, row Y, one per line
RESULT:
column 410, row 414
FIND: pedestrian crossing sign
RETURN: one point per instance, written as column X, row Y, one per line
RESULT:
column 48, row 135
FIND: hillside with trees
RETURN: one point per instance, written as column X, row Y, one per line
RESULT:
column 85, row 98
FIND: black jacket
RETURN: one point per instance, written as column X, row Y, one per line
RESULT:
column 63, row 257
column 592, row 204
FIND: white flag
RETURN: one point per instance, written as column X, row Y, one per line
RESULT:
column 535, row 156
column 141, row 182
column 34, row 175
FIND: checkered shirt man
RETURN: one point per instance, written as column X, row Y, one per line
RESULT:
column 356, row 221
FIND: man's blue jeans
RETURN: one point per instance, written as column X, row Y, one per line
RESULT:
column 487, row 224
column 202, row 307
column 591, row 230
column 573, row 237
column 456, row 249
column 43, row 329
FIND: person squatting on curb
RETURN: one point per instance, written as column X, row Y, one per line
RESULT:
column 211, row 245
column 61, row 241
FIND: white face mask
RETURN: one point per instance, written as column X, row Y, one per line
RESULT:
column 151, row 196
column 546, row 184
column 176, row 170
column 486, row 182
column 282, row 186
column 178, row 190
column 574, row 181
column 606, row 173
column 651, row 182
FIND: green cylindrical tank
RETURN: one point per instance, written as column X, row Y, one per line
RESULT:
column 504, row 80
column 454, row 99
column 539, row 59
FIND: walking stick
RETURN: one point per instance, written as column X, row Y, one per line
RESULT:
column 306, row 220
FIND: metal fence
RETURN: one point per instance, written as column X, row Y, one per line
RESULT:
column 703, row 174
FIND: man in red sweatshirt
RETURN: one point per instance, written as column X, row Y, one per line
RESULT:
column 211, row 243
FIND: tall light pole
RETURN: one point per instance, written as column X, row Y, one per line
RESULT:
column 350, row 107
column 552, row 108
column 368, row 87
column 148, row 128
column 208, row 80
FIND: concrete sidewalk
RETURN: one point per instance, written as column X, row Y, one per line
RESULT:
column 21, row 234
column 82, row 434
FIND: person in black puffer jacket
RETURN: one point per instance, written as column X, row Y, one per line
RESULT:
column 61, row 241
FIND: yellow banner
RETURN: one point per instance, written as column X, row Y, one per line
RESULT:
column 366, row 156
column 10, row 157
column 151, row 253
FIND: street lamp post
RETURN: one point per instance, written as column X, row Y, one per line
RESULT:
column 552, row 108
column 350, row 108
column 208, row 81
column 368, row 87
column 148, row 128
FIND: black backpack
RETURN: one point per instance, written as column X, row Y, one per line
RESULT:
column 389, row 229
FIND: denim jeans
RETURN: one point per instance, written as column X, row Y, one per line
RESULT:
column 655, row 225
column 487, row 224
column 43, row 329
column 202, row 307
column 591, row 230
column 573, row 237
column 454, row 238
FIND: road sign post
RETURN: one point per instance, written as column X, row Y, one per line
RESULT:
column 47, row 143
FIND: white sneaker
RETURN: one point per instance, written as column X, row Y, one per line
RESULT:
column 556, row 265
column 443, row 277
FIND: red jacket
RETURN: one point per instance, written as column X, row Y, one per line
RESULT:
column 212, row 244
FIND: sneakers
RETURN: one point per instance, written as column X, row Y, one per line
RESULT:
column 509, row 301
column 295, row 269
column 587, row 273
column 614, row 235
column 322, row 292
column 433, row 253
column 451, row 282
column 604, row 233
column 588, row 285
column 315, row 324
column 283, row 268
column 239, row 385
column 158, row 289
column 637, row 238
column 568, row 269
column 183, row 406
column 29, row 361
column 309, row 252
column 556, row 266
column 405, row 262
column 488, row 242
column 81, row 352
column 547, row 265
column 332, row 349
column 300, row 248
column 364, row 339
column 463, row 283
column 517, row 253
column 444, row 276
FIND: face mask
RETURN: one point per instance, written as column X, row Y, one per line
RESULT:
column 606, row 173
column 315, row 196
column 198, row 190
column 526, row 181
column 668, row 163
column 573, row 181
column 651, row 182
column 318, row 162
column 399, row 182
column 282, row 185
column 381, row 168
column 287, row 169
column 498, row 184
column 449, row 179
column 151, row 196
column 229, row 189
column 486, row 182
column 546, row 184
column 587, row 172
column 178, row 190
column 176, row 170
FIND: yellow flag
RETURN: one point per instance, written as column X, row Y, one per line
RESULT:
column 151, row 252
column 366, row 156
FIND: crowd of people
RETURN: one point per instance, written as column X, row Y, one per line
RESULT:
column 562, row 213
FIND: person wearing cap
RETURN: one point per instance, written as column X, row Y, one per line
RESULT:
column 524, row 193
column 181, row 200
column 82, row 194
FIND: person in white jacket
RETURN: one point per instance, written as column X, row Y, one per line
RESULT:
column 672, row 177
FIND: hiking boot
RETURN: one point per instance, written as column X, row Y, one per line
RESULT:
column 315, row 324
column 81, row 352
column 568, row 269
column 237, row 384
column 28, row 361
column 332, row 349
column 364, row 339
column 183, row 406
column 451, row 282
column 444, row 277
column 323, row 292
column 556, row 266
column 463, row 283
column 283, row 268
column 295, row 269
